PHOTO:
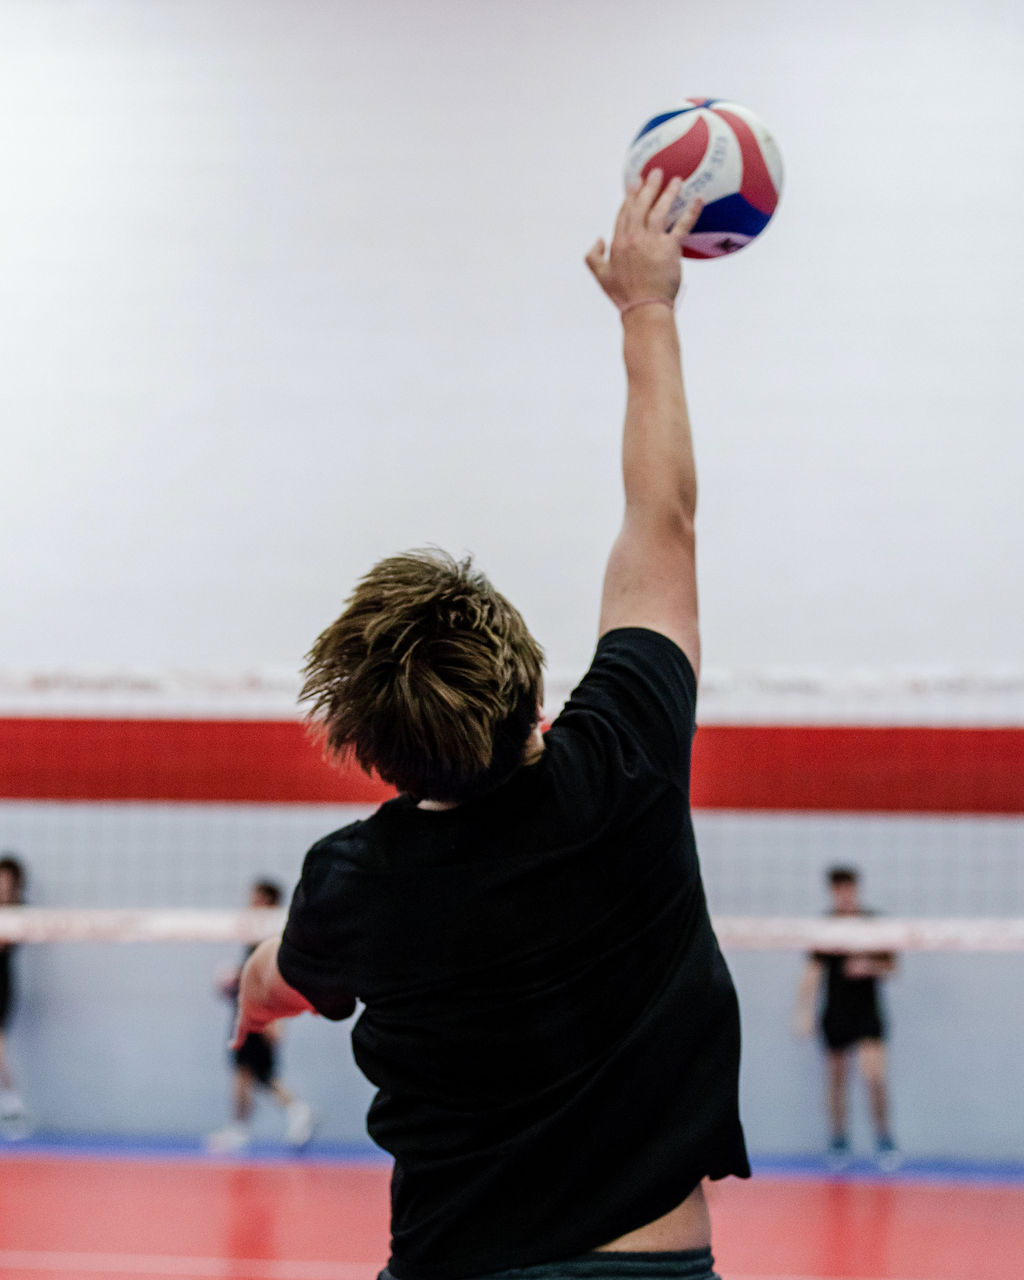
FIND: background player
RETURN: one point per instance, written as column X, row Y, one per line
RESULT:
column 851, row 1021
column 255, row 1062
column 548, row 1019
column 13, row 1120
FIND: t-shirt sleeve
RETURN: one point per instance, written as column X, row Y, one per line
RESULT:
column 310, row 957
column 633, row 714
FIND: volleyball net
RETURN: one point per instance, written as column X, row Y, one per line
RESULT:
column 740, row 933
column 135, row 793
column 145, row 806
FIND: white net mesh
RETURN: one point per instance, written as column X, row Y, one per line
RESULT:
column 746, row 933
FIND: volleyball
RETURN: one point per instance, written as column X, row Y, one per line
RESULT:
column 723, row 153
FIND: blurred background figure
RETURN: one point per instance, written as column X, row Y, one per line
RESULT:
column 13, row 1117
column 844, row 987
column 255, row 1062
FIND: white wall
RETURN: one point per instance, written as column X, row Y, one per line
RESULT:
column 290, row 284
column 286, row 285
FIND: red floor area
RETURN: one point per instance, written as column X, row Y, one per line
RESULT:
column 885, row 1230
column 83, row 1217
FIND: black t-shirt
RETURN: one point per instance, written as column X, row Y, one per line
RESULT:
column 549, row 1022
column 851, row 1001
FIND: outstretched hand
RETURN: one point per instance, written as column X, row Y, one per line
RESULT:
column 263, row 995
column 644, row 260
column 250, row 1017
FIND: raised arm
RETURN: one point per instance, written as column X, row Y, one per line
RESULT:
column 651, row 578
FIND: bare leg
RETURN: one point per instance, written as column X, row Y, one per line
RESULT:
column 13, row 1120
column 6, row 1079
column 872, row 1064
column 300, row 1119
column 873, row 1068
column 235, row 1136
column 282, row 1095
column 837, row 1074
column 243, row 1090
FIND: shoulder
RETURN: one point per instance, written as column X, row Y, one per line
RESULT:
column 640, row 674
column 636, row 706
column 336, row 847
column 329, row 865
column 638, row 658
column 645, row 644
column 321, row 911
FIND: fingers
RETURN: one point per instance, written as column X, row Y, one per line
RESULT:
column 658, row 218
column 595, row 259
column 622, row 217
column 687, row 220
column 640, row 202
column 238, row 1032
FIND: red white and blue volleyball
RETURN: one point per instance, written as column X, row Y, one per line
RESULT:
column 723, row 153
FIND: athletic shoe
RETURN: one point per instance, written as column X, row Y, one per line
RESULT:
column 14, row 1122
column 15, row 1127
column 226, row 1141
column 838, row 1155
column 301, row 1123
column 888, row 1156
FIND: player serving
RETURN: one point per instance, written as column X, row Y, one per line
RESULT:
column 548, row 1020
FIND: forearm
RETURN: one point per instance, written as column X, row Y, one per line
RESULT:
column 264, row 996
column 807, row 992
column 651, row 578
column 659, row 472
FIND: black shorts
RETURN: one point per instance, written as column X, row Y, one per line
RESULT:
column 842, row 1031
column 257, row 1056
column 687, row 1264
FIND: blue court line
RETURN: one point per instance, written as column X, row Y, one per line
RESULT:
column 188, row 1147
column 184, row 1147
column 914, row 1169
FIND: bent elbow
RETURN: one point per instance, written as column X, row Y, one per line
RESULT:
column 672, row 523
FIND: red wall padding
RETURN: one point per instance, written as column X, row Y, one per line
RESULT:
column 931, row 770
column 256, row 761
column 860, row 769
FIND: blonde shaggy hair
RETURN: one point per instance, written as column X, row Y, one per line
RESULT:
column 430, row 677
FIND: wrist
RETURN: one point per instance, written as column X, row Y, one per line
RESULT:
column 646, row 331
column 646, row 304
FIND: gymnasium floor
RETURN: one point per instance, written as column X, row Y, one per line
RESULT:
column 76, row 1215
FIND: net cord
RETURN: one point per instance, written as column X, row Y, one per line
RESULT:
column 749, row 933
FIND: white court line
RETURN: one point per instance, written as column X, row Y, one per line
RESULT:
column 156, row 1264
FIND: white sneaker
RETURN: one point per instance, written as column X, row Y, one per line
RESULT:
column 232, row 1138
column 888, row 1156
column 14, row 1122
column 301, row 1123
column 15, row 1127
